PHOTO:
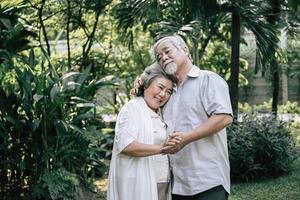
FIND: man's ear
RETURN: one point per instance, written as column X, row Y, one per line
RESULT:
column 185, row 49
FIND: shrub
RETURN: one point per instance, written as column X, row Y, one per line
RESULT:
column 245, row 107
column 57, row 184
column 260, row 147
column 289, row 107
column 48, row 121
column 294, row 127
column 266, row 107
column 106, row 142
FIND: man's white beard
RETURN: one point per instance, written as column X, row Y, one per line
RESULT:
column 171, row 68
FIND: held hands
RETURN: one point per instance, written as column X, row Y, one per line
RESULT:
column 173, row 144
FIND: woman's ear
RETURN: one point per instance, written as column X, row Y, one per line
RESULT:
column 186, row 51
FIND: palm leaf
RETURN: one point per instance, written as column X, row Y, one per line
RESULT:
column 265, row 34
column 133, row 12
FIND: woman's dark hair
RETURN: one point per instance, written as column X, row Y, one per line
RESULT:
column 147, row 77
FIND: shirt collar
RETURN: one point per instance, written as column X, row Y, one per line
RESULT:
column 194, row 72
column 154, row 114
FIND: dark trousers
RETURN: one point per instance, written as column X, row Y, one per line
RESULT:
column 216, row 193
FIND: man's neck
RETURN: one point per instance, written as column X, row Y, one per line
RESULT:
column 182, row 72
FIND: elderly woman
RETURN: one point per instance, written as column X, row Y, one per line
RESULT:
column 138, row 170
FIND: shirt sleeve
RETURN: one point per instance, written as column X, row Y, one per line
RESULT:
column 126, row 129
column 215, row 95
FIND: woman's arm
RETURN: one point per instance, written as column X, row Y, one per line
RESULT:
column 138, row 149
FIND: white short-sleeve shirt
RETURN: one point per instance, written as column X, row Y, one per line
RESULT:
column 202, row 164
column 161, row 162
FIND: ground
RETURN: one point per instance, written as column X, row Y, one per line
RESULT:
column 101, row 187
column 281, row 188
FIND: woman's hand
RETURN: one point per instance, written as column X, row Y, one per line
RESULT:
column 173, row 144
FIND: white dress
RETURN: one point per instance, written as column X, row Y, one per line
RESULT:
column 132, row 178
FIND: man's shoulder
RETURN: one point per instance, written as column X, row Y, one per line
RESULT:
column 207, row 72
column 210, row 74
column 197, row 72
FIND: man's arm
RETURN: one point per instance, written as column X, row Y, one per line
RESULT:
column 214, row 124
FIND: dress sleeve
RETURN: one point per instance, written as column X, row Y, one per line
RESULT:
column 126, row 129
column 215, row 95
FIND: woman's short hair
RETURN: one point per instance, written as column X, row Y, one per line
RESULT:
column 147, row 77
column 176, row 40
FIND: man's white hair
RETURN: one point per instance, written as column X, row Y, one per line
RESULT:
column 176, row 40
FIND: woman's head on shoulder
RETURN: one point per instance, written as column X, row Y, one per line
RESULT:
column 154, row 85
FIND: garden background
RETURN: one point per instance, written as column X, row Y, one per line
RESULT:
column 66, row 68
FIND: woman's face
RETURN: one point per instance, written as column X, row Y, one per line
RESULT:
column 158, row 92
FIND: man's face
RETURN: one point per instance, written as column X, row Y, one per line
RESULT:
column 169, row 57
column 171, row 68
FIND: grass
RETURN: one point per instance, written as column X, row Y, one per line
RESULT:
column 286, row 187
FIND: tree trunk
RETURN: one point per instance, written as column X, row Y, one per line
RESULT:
column 196, row 52
column 44, row 32
column 273, row 19
column 275, row 84
column 68, row 34
column 235, row 54
column 285, row 85
column 89, row 42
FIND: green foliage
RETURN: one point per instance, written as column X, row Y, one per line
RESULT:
column 58, row 184
column 48, row 111
column 129, row 14
column 48, row 122
column 266, row 107
column 254, row 15
column 289, row 107
column 260, row 147
column 292, row 67
column 281, row 188
column 216, row 60
column 294, row 127
column 245, row 108
column 13, row 35
column 107, row 141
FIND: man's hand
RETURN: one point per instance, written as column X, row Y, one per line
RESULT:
column 173, row 144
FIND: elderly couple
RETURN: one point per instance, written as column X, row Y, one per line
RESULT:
column 170, row 139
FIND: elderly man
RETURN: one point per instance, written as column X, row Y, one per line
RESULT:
column 198, row 112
